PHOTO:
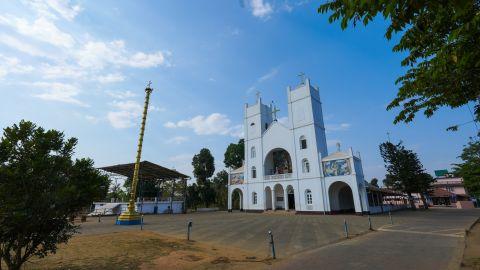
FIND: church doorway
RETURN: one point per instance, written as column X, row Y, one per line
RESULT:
column 279, row 199
column 268, row 198
column 341, row 198
column 237, row 199
column 290, row 198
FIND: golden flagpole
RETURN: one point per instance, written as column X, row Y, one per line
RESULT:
column 130, row 216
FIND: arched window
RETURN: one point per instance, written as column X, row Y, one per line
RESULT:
column 254, row 198
column 254, row 172
column 308, row 196
column 253, row 154
column 303, row 142
column 305, row 166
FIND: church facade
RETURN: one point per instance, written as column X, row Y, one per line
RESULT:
column 287, row 166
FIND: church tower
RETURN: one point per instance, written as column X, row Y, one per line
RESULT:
column 306, row 121
column 257, row 119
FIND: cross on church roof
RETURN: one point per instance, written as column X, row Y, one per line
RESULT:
column 274, row 111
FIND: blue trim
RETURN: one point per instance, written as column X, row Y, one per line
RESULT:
column 128, row 222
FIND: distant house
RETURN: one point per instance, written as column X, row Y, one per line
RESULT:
column 448, row 190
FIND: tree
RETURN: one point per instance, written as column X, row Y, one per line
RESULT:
column 40, row 188
column 220, row 182
column 203, row 166
column 440, row 39
column 405, row 171
column 374, row 182
column 235, row 154
column 469, row 169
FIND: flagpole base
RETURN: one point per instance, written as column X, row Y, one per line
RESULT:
column 129, row 218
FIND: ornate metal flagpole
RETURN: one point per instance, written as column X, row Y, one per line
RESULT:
column 130, row 216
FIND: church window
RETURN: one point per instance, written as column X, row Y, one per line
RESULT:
column 305, row 165
column 254, row 172
column 254, row 198
column 253, row 154
column 308, row 196
column 303, row 142
column 252, row 124
column 266, row 126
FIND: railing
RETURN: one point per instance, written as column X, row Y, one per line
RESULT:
column 278, row 176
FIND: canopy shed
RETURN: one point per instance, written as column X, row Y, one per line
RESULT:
column 150, row 171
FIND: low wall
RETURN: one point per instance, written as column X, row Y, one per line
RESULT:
column 162, row 207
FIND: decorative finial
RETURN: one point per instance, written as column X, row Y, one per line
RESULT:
column 149, row 88
column 338, row 146
column 302, row 77
column 258, row 95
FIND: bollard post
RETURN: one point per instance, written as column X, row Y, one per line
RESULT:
column 189, row 228
column 370, row 223
column 390, row 216
column 141, row 223
column 272, row 244
column 98, row 217
column 345, row 227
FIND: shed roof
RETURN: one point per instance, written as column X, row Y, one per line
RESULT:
column 147, row 171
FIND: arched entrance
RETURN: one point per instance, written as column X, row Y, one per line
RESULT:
column 279, row 199
column 290, row 198
column 268, row 198
column 237, row 199
column 277, row 161
column 341, row 198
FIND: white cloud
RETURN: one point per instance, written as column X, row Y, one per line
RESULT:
column 126, row 115
column 153, row 108
column 51, row 8
column 65, row 8
column 177, row 140
column 181, row 158
column 121, row 94
column 97, row 55
column 60, row 70
column 21, row 46
column 337, row 127
column 41, row 29
column 92, row 119
column 213, row 124
column 55, row 91
column 12, row 65
column 333, row 142
column 284, row 121
column 111, row 78
column 261, row 8
column 272, row 73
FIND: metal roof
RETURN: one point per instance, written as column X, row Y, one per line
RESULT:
column 147, row 171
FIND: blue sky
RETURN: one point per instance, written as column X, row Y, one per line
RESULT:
column 81, row 67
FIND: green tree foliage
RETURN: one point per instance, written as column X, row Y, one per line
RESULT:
column 193, row 197
column 405, row 171
column 203, row 166
column 440, row 39
column 40, row 188
column 374, row 182
column 469, row 169
column 235, row 154
column 220, row 182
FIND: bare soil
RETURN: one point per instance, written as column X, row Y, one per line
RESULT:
column 471, row 256
column 145, row 250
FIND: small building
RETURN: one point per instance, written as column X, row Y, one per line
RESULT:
column 448, row 190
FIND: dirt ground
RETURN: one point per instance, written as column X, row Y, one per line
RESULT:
column 471, row 256
column 145, row 250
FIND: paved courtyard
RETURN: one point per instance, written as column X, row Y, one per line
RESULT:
column 438, row 230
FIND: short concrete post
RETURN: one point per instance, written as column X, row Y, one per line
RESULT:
column 141, row 223
column 272, row 244
column 370, row 223
column 345, row 227
column 390, row 216
column 189, row 228
column 99, row 217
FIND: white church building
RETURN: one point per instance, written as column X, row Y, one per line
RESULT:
column 287, row 166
